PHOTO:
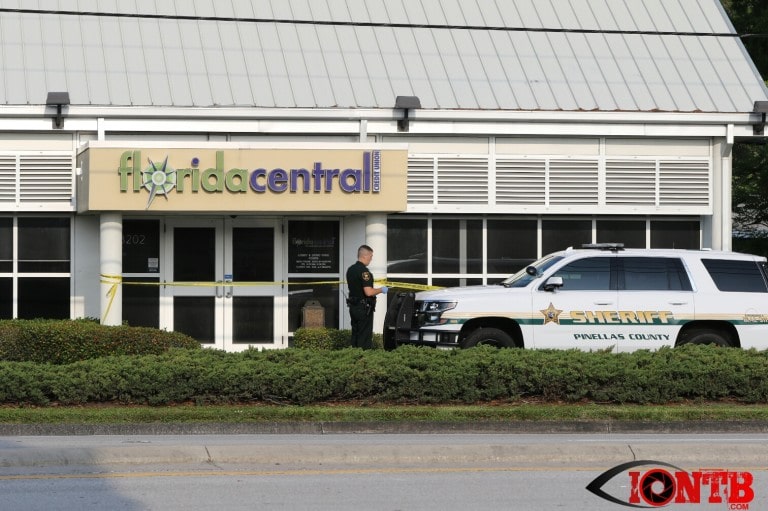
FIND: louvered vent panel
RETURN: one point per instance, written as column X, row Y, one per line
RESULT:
column 573, row 182
column 630, row 182
column 684, row 183
column 462, row 181
column 46, row 178
column 421, row 180
column 7, row 179
column 520, row 181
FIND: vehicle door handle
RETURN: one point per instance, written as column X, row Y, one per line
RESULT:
column 603, row 302
column 678, row 303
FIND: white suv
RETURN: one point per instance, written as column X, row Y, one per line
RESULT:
column 598, row 297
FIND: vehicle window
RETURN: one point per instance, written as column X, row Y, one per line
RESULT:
column 589, row 274
column 653, row 274
column 736, row 276
column 523, row 278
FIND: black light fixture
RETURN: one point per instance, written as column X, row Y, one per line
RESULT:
column 406, row 103
column 59, row 100
column 760, row 107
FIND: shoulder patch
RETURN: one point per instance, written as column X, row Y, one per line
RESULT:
column 366, row 276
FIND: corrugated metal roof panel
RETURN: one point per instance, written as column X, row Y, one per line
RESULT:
column 242, row 53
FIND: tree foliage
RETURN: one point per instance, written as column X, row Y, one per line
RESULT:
column 750, row 161
column 750, row 18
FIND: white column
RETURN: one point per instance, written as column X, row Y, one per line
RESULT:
column 376, row 238
column 111, row 268
column 727, row 195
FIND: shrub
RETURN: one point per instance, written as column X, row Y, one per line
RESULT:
column 323, row 338
column 67, row 341
column 409, row 374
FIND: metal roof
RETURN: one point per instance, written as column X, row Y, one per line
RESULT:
column 538, row 55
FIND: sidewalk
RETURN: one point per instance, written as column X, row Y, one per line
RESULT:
column 585, row 444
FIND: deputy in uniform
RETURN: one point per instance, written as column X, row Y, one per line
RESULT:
column 362, row 298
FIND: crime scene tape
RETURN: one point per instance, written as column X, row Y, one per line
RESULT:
column 116, row 280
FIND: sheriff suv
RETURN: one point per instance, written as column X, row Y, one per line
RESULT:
column 598, row 297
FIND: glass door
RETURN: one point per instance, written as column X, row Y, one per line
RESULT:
column 253, row 290
column 191, row 297
column 222, row 283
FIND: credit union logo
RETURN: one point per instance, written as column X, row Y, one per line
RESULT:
column 316, row 178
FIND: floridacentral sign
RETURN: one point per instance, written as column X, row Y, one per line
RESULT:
column 240, row 178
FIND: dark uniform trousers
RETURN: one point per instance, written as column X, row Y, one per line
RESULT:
column 361, row 315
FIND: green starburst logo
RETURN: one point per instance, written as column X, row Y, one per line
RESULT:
column 159, row 180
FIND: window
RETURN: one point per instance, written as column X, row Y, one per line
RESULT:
column 675, row 234
column 561, row 234
column 141, row 246
column 736, row 276
column 6, row 245
column 43, row 244
column 141, row 259
column 653, row 274
column 314, row 268
column 457, row 246
column 406, row 245
column 629, row 232
column 35, row 267
column 589, row 274
column 511, row 245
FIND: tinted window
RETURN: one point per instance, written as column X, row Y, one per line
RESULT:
column 591, row 274
column 629, row 232
column 141, row 246
column 6, row 245
column 675, row 234
column 43, row 245
column 740, row 276
column 406, row 246
column 561, row 234
column 511, row 245
column 653, row 274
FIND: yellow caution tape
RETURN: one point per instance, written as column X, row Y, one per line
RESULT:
column 115, row 280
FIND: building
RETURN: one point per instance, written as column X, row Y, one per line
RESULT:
column 211, row 167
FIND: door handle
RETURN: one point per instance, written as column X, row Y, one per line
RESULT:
column 229, row 290
column 603, row 302
column 678, row 303
column 218, row 289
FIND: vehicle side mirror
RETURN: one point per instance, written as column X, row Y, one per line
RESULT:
column 531, row 270
column 552, row 283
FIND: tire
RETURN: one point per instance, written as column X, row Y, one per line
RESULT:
column 489, row 336
column 702, row 336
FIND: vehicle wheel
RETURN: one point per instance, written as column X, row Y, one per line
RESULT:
column 706, row 337
column 489, row 336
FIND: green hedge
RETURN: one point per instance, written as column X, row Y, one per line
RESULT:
column 407, row 375
column 321, row 338
column 65, row 341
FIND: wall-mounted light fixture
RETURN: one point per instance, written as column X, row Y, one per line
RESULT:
column 406, row 103
column 760, row 107
column 59, row 100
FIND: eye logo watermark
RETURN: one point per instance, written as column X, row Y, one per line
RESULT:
column 663, row 484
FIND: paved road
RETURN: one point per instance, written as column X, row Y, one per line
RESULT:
column 385, row 472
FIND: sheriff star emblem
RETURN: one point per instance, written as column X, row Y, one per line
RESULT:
column 551, row 314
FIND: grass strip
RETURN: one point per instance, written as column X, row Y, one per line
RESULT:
column 378, row 413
